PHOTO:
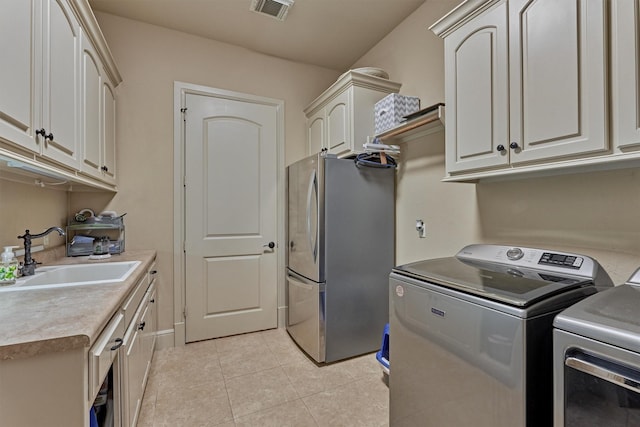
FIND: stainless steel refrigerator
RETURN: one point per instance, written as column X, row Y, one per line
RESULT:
column 341, row 228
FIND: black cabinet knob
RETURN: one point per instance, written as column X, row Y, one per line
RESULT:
column 105, row 169
column 269, row 245
column 43, row 133
column 500, row 148
column 513, row 145
column 142, row 325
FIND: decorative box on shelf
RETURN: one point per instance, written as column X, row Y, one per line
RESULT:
column 82, row 235
column 391, row 110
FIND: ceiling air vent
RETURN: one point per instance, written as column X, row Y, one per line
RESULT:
column 275, row 8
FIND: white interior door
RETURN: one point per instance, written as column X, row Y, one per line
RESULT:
column 230, row 216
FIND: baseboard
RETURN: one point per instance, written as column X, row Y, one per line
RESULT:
column 282, row 317
column 165, row 339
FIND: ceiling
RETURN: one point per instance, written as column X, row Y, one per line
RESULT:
column 327, row 33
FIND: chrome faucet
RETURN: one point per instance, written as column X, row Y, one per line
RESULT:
column 29, row 265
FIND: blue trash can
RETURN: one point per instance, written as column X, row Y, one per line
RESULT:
column 383, row 354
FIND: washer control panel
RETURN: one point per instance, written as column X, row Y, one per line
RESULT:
column 538, row 259
column 561, row 260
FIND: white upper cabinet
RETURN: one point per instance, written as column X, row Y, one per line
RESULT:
column 338, row 126
column 476, row 91
column 60, row 83
column 39, row 81
column 558, row 95
column 525, row 82
column 98, row 117
column 91, row 71
column 57, row 99
column 342, row 117
column 108, row 118
column 625, row 73
column 17, row 74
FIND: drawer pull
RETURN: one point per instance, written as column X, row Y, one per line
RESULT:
column 152, row 301
column 141, row 326
column 153, row 272
column 118, row 342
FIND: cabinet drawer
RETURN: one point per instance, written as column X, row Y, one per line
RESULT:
column 104, row 352
column 131, row 304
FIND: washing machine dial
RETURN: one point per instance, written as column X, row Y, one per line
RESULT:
column 515, row 254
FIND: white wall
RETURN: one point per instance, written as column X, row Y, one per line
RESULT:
column 150, row 59
column 592, row 213
column 25, row 206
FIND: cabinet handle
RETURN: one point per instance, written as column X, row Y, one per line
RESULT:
column 118, row 342
column 152, row 301
column 153, row 272
column 141, row 326
column 49, row 137
column 500, row 148
column 105, row 169
column 513, row 145
column 42, row 132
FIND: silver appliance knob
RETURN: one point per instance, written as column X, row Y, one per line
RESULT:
column 515, row 254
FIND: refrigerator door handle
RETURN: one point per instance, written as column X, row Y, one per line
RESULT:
column 300, row 282
column 313, row 188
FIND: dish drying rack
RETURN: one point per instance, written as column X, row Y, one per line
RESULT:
column 81, row 234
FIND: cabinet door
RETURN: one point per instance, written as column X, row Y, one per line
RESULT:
column 134, row 370
column 20, row 53
column 557, row 75
column 338, row 124
column 315, row 133
column 476, row 93
column 60, row 93
column 149, row 333
column 91, row 77
column 108, row 167
column 625, row 75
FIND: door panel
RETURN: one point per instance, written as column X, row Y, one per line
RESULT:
column 231, row 202
column 305, row 182
column 60, row 98
column 476, row 57
column 557, row 78
column 306, row 315
column 17, row 92
column 338, row 124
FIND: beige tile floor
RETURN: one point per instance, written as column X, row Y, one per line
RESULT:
column 261, row 379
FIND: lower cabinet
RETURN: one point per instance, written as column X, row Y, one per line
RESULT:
column 104, row 382
column 137, row 352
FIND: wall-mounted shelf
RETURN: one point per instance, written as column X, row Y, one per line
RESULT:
column 425, row 124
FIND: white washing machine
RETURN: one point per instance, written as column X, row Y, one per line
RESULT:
column 597, row 360
column 470, row 340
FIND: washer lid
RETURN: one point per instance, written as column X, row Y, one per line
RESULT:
column 610, row 316
column 516, row 286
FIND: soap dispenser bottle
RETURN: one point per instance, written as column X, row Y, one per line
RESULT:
column 9, row 266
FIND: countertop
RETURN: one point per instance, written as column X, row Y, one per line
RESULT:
column 50, row 320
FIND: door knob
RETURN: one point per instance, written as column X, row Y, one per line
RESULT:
column 269, row 245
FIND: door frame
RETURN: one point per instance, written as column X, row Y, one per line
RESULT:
column 180, row 90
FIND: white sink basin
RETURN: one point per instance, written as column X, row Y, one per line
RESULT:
column 56, row 276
